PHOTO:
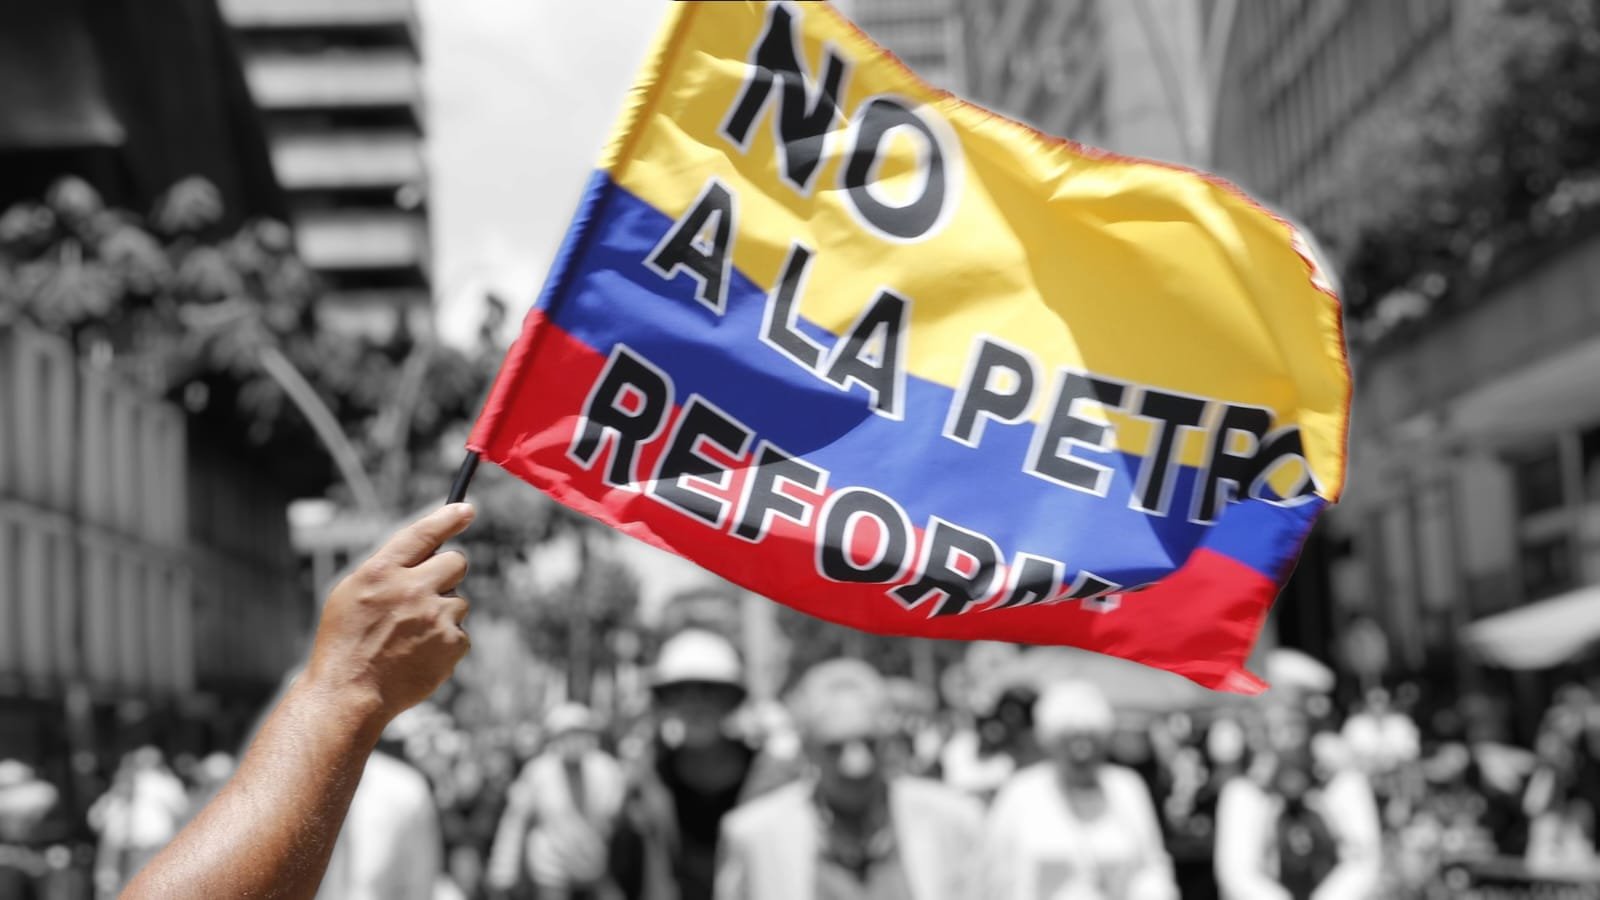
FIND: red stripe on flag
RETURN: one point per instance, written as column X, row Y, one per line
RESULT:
column 1199, row 622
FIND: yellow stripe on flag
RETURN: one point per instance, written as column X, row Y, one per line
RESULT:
column 1136, row 270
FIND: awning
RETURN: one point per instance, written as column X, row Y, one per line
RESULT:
column 1539, row 635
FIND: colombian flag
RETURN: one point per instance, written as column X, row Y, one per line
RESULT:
column 904, row 364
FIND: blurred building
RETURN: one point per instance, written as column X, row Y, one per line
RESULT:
column 1124, row 75
column 147, row 583
column 1298, row 82
column 925, row 34
column 339, row 83
column 1475, row 450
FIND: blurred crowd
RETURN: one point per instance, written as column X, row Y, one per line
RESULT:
column 861, row 786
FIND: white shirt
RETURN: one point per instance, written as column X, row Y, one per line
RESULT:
column 144, row 814
column 1247, row 819
column 564, row 845
column 1038, row 848
column 390, row 848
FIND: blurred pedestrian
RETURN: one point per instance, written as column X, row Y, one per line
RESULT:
column 1075, row 826
column 916, row 736
column 1000, row 743
column 560, row 814
column 483, row 778
column 1224, row 754
column 1561, row 820
column 1293, row 831
column 695, row 769
column 1386, row 745
column 143, row 809
column 391, row 846
column 210, row 774
column 25, row 801
column 854, row 829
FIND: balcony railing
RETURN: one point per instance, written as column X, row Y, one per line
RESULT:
column 332, row 80
column 315, row 161
column 362, row 239
column 316, row 13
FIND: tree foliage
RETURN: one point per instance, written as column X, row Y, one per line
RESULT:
column 1498, row 156
column 187, row 310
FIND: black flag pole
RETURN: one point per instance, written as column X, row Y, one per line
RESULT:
column 458, row 490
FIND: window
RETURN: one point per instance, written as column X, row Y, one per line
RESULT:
column 1589, row 456
column 1547, row 566
column 1538, row 481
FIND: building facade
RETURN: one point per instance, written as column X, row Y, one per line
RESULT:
column 148, row 590
column 925, row 34
column 1123, row 75
column 1298, row 83
column 340, row 86
column 1475, row 444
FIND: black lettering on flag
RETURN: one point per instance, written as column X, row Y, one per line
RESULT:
column 778, row 321
column 1033, row 580
column 686, row 247
column 1152, row 491
column 763, row 497
column 842, row 515
column 627, row 407
column 683, row 459
column 875, row 121
column 1282, row 448
column 1051, row 457
column 1094, row 593
column 1226, row 472
column 805, row 110
column 1088, row 586
column 985, row 394
column 873, row 353
column 960, row 565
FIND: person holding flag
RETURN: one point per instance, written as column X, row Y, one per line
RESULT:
column 390, row 634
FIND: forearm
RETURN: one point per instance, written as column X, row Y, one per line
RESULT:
column 269, row 833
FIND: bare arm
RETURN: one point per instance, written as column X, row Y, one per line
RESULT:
column 389, row 636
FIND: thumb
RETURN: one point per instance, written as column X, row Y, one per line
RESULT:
column 418, row 541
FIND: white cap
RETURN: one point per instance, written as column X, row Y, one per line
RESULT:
column 695, row 655
column 570, row 717
column 1072, row 707
column 14, row 773
column 835, row 684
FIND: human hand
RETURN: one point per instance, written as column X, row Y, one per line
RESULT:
column 391, row 631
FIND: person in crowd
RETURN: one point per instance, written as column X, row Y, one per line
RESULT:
column 1386, row 744
column 979, row 760
column 561, row 812
column 1200, row 774
column 1075, row 826
column 484, row 778
column 391, row 845
column 210, row 774
column 25, row 801
column 1561, row 820
column 136, row 817
column 390, row 634
column 1293, row 831
column 695, row 769
column 916, row 737
column 854, row 829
